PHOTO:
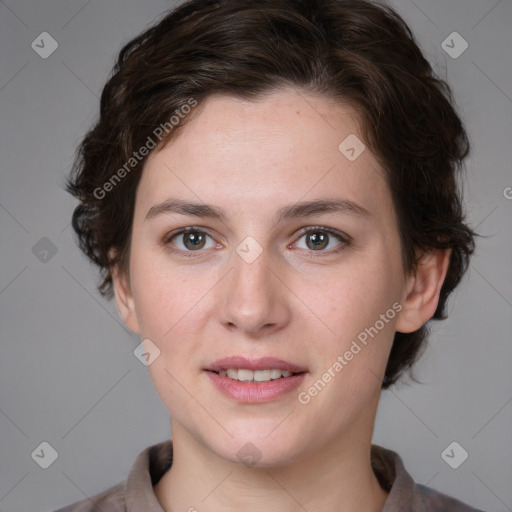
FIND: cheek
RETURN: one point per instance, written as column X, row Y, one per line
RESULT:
column 353, row 353
column 358, row 318
column 356, row 296
column 169, row 310
column 164, row 295
column 173, row 307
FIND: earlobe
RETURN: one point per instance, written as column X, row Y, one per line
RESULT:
column 124, row 299
column 422, row 290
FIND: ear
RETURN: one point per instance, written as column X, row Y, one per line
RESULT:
column 422, row 290
column 124, row 298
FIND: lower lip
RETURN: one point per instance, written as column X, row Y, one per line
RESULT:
column 255, row 392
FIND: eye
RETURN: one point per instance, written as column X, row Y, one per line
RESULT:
column 320, row 239
column 189, row 240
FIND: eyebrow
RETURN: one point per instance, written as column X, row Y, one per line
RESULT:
column 296, row 210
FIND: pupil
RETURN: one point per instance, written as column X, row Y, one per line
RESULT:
column 195, row 240
column 318, row 240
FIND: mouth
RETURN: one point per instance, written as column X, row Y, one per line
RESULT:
column 255, row 381
column 246, row 375
column 264, row 369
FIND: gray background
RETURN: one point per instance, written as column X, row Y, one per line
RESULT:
column 67, row 372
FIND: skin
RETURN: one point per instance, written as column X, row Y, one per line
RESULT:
column 251, row 159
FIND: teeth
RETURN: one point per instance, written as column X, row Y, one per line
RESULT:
column 254, row 376
column 245, row 375
column 261, row 375
column 275, row 374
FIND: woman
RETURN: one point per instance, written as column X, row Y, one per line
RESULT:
column 270, row 193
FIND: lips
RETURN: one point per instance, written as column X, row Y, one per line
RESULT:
column 259, row 390
column 263, row 363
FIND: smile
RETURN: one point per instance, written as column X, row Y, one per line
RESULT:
column 245, row 375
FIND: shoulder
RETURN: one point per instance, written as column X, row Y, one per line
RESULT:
column 136, row 492
column 428, row 499
column 404, row 493
column 111, row 500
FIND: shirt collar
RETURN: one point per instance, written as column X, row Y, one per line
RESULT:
column 154, row 461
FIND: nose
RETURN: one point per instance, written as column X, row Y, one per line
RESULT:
column 254, row 297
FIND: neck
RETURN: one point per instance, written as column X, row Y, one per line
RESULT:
column 338, row 478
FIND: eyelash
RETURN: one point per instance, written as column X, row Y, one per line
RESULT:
column 344, row 239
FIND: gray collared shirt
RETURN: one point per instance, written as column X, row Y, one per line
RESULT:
column 136, row 493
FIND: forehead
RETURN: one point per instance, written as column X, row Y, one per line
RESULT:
column 285, row 146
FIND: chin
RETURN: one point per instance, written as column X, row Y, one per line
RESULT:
column 256, row 448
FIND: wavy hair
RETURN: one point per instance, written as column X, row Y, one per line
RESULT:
column 356, row 51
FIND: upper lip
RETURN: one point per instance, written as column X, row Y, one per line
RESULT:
column 263, row 363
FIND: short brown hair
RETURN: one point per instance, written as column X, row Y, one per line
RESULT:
column 354, row 51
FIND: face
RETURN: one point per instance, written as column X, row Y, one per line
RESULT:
column 318, row 289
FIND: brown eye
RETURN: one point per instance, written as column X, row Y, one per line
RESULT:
column 317, row 240
column 193, row 240
column 323, row 241
column 190, row 240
